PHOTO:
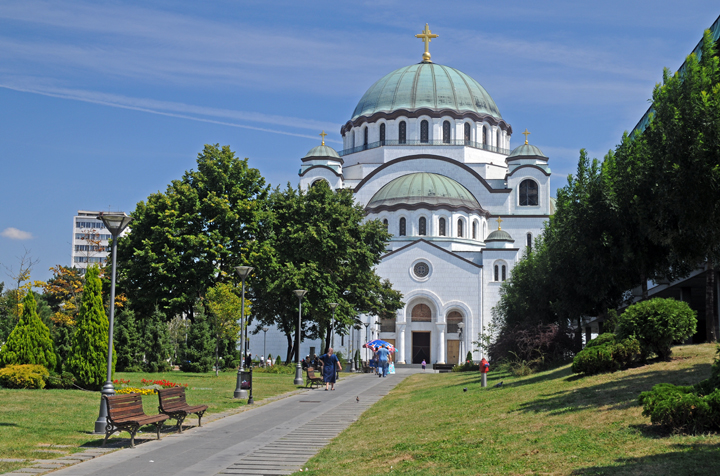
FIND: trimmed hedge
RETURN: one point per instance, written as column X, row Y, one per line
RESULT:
column 24, row 376
column 606, row 354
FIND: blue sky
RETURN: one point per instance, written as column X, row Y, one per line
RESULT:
column 103, row 103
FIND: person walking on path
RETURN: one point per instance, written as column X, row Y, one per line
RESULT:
column 248, row 361
column 329, row 361
column 383, row 355
column 423, row 364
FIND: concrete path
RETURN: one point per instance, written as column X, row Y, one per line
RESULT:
column 273, row 439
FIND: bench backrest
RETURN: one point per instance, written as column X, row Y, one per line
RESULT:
column 311, row 372
column 124, row 406
column 172, row 398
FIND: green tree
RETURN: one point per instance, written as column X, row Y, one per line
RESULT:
column 127, row 341
column 88, row 358
column 156, row 342
column 198, row 348
column 177, row 329
column 29, row 342
column 190, row 237
column 318, row 240
column 225, row 312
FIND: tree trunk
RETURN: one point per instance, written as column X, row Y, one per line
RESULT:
column 291, row 347
column 217, row 359
column 710, row 302
column 578, row 335
column 643, row 286
column 328, row 336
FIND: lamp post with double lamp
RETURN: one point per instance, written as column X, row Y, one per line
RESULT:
column 264, row 329
column 461, row 358
column 243, row 272
column 115, row 222
column 298, row 368
column 333, row 305
column 367, row 352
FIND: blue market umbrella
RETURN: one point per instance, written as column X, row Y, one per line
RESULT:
column 377, row 343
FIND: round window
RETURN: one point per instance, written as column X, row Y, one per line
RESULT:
column 421, row 270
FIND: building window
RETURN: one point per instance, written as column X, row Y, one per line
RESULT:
column 528, row 193
column 382, row 134
column 352, row 139
column 460, row 228
column 422, row 225
column 446, row 132
column 529, row 241
column 442, row 227
column 453, row 319
column 402, row 227
column 402, row 132
column 386, row 325
column 421, row 269
column 421, row 313
column 497, row 143
column 365, row 137
column 424, row 135
column 484, row 134
column 504, row 276
column 497, row 278
column 474, row 230
column 385, row 222
column 467, row 132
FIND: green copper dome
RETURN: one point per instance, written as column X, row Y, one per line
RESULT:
column 424, row 189
column 526, row 150
column 426, row 85
column 499, row 235
column 322, row 151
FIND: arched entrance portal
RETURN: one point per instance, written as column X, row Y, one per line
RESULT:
column 421, row 339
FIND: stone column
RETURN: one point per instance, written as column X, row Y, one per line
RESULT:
column 441, row 343
column 400, row 344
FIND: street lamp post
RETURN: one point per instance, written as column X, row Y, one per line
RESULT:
column 264, row 329
column 298, row 368
column 115, row 223
column 460, row 338
column 243, row 272
column 333, row 305
column 367, row 353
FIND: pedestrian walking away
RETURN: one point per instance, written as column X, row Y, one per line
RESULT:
column 383, row 355
column 423, row 364
column 248, row 361
column 329, row 361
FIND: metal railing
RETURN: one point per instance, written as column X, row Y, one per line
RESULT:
column 432, row 143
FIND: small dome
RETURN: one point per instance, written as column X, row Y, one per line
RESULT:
column 426, row 85
column 526, row 150
column 499, row 235
column 322, row 152
column 424, row 188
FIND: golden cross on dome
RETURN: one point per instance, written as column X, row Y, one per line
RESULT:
column 426, row 36
column 526, row 133
column 322, row 134
column 499, row 220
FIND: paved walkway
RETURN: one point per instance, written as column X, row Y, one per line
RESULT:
column 273, row 439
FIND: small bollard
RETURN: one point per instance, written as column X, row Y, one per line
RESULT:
column 484, row 380
column 484, row 369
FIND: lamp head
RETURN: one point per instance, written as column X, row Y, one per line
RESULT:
column 366, row 324
column 461, row 325
column 265, row 329
column 300, row 293
column 244, row 271
column 333, row 305
column 115, row 222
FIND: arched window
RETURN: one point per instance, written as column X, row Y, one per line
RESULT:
column 316, row 183
column 453, row 319
column 497, row 143
column 402, row 132
column 446, row 132
column 385, row 222
column 365, row 137
column 382, row 134
column 422, row 226
column 352, row 139
column 528, row 193
column 424, row 135
column 442, row 227
column 484, row 134
column 467, row 132
column 484, row 230
column 529, row 240
column 504, row 276
column 460, row 228
column 402, row 226
column 474, row 230
column 421, row 313
column 497, row 277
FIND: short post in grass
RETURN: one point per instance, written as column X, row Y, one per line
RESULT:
column 484, row 368
column 243, row 272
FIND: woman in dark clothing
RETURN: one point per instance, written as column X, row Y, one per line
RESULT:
column 328, row 362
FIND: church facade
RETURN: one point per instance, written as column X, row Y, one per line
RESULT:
column 427, row 152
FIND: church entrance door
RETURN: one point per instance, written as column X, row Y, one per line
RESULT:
column 453, row 351
column 421, row 347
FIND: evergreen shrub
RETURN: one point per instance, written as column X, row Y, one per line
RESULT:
column 467, row 367
column 30, row 341
column 24, row 376
column 657, row 323
column 63, row 380
column 278, row 361
column 606, row 353
column 199, row 351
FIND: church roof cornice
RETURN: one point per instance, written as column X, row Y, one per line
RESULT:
column 319, row 167
column 417, row 242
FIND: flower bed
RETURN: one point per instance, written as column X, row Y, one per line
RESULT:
column 121, row 381
column 163, row 383
column 141, row 391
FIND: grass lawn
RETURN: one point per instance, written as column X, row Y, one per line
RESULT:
column 33, row 420
column 548, row 423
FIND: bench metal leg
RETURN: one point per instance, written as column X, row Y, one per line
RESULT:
column 133, row 430
column 109, row 430
column 200, row 415
column 180, row 419
column 158, row 427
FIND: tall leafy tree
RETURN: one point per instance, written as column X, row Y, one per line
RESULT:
column 156, row 342
column 29, row 342
column 88, row 358
column 191, row 236
column 225, row 314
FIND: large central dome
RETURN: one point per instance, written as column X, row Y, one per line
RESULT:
column 426, row 85
column 423, row 190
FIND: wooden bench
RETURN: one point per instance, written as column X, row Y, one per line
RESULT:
column 173, row 404
column 125, row 413
column 312, row 379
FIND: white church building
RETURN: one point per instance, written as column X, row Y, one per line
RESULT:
column 427, row 152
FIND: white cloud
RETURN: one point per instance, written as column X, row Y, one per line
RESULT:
column 15, row 234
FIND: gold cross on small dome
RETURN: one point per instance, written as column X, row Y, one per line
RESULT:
column 526, row 133
column 322, row 134
column 499, row 220
column 426, row 36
